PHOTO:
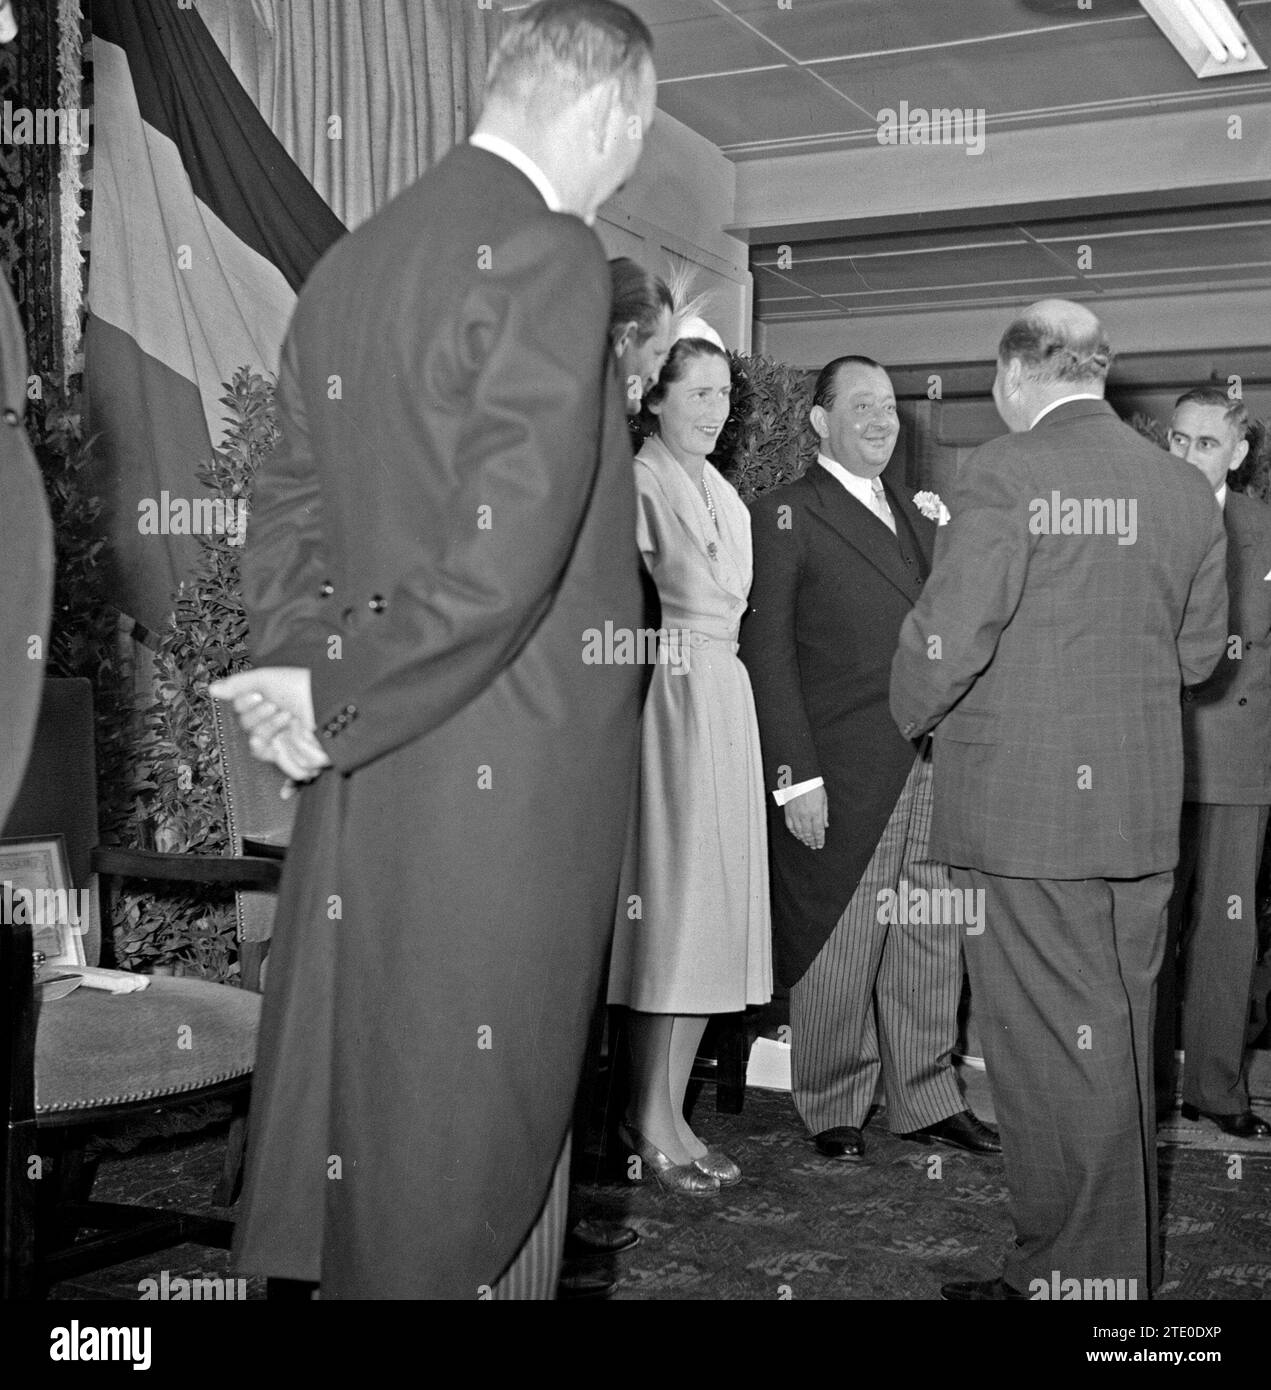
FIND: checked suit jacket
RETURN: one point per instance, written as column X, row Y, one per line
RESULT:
column 1050, row 666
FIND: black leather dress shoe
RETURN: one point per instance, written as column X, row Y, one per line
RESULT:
column 981, row 1291
column 590, row 1237
column 1245, row 1125
column 843, row 1141
column 963, row 1131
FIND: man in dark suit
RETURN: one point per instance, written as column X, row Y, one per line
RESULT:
column 840, row 556
column 26, row 563
column 450, row 511
column 1226, row 794
column 1081, row 575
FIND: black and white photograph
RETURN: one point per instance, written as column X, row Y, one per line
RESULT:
column 638, row 638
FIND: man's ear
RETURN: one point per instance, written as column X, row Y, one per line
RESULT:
column 623, row 341
column 819, row 421
column 607, row 115
column 1014, row 375
column 1239, row 457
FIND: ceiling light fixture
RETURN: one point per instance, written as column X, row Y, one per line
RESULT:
column 1207, row 35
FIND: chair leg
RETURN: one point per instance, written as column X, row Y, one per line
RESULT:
column 617, row 1090
column 733, row 1053
column 72, row 1182
column 19, row 1277
column 231, row 1179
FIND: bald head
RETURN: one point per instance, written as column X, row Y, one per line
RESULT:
column 1055, row 348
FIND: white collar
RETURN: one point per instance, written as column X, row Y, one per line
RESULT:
column 1221, row 496
column 1063, row 400
column 860, row 488
column 505, row 149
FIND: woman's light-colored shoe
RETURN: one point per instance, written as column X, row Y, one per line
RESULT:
column 715, row 1162
column 685, row 1178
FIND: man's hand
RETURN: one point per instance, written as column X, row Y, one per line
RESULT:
column 807, row 817
column 275, row 707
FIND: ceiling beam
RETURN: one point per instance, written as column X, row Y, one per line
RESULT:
column 1229, row 321
column 1126, row 163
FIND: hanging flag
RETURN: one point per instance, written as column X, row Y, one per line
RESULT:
column 203, row 231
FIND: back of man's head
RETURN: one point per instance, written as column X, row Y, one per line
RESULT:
column 557, row 50
column 639, row 297
column 1059, row 343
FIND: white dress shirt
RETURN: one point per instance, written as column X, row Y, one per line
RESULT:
column 1063, row 400
column 862, row 489
column 505, row 149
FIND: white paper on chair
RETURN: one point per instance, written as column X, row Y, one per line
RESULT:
column 60, row 981
column 112, row 981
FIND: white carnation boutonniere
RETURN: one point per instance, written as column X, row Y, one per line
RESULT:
column 930, row 505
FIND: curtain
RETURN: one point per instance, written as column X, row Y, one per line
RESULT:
column 364, row 95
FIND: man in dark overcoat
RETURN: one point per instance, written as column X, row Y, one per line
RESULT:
column 450, row 512
column 26, row 563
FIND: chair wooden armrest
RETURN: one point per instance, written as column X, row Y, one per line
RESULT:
column 240, row 871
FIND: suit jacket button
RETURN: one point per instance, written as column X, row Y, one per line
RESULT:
column 1242, row 701
column 11, row 417
column 327, row 588
column 377, row 603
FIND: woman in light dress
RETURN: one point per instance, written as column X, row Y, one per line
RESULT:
column 693, row 933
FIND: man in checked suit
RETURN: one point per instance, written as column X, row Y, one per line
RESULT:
column 1081, row 578
column 450, row 511
column 840, row 556
column 1226, row 793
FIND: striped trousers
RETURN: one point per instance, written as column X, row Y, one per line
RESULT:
column 535, row 1271
column 882, row 997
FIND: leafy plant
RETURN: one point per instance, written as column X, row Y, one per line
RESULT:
column 767, row 440
column 180, row 785
column 1149, row 427
column 1254, row 474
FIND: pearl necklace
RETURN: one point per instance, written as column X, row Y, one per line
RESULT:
column 711, row 548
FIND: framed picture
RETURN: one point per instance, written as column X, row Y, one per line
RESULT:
column 35, row 887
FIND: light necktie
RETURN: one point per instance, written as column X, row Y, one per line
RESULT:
column 881, row 509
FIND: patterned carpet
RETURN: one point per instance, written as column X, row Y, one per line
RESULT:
column 905, row 1221
column 798, row 1226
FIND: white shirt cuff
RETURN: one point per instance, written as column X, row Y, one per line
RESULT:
column 785, row 794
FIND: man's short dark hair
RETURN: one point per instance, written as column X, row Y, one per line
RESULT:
column 639, row 297
column 1234, row 411
column 826, row 390
column 567, row 47
column 1048, row 354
